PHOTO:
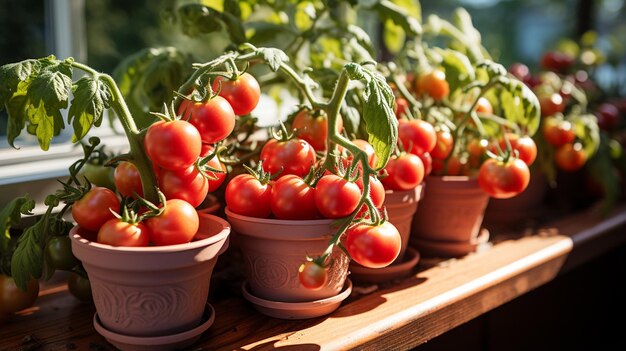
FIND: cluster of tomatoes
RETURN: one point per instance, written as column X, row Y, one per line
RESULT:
column 176, row 149
column 501, row 177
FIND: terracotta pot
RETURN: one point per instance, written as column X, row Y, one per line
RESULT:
column 528, row 204
column 452, row 209
column 401, row 207
column 156, row 290
column 273, row 250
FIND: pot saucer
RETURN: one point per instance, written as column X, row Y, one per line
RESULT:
column 297, row 310
column 440, row 248
column 156, row 343
column 393, row 271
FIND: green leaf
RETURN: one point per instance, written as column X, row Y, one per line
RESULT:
column 16, row 108
column 232, row 7
column 234, row 27
column 458, row 68
column 273, row 57
column 380, row 121
column 400, row 16
column 10, row 216
column 393, row 36
column 521, row 106
column 11, row 75
column 27, row 261
column 412, row 7
column 91, row 98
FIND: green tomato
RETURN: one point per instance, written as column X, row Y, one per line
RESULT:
column 59, row 251
column 99, row 175
column 79, row 287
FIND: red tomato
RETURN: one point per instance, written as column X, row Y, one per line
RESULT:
column 173, row 144
column 557, row 61
column 416, row 136
column 477, row 148
column 608, row 116
column 443, row 146
column 570, row 157
column 558, row 132
column 243, row 93
column 295, row 156
column 246, row 195
column 369, row 150
column 503, row 180
column 400, row 107
column 551, row 104
column 405, row 172
column 115, row 232
column 214, row 119
column 377, row 193
column 189, row 185
column 127, row 179
column 178, row 224
column 524, row 145
column 94, row 208
column 336, row 197
column 313, row 129
column 484, row 106
column 292, row 198
column 427, row 161
column 12, row 298
column 373, row 246
column 434, row 84
column 520, row 71
column 312, row 276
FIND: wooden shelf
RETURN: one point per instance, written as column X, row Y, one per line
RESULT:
column 398, row 315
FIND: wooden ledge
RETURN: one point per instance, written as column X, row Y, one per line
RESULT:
column 398, row 315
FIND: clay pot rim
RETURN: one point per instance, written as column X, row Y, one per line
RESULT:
column 291, row 306
column 451, row 180
column 274, row 221
column 416, row 189
column 172, row 339
column 219, row 236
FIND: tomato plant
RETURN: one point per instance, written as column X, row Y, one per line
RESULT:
column 127, row 179
column 524, row 145
column 503, row 179
column 312, row 276
column 99, row 175
column 117, row 232
column 373, row 246
column 214, row 119
column 242, row 92
column 94, row 208
column 292, row 156
column 177, row 224
column 173, row 144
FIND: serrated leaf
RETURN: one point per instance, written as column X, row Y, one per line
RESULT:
column 380, row 121
column 273, row 57
column 11, row 75
column 10, row 216
column 27, row 258
column 16, row 109
column 521, row 106
column 91, row 98
column 393, row 36
column 458, row 68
